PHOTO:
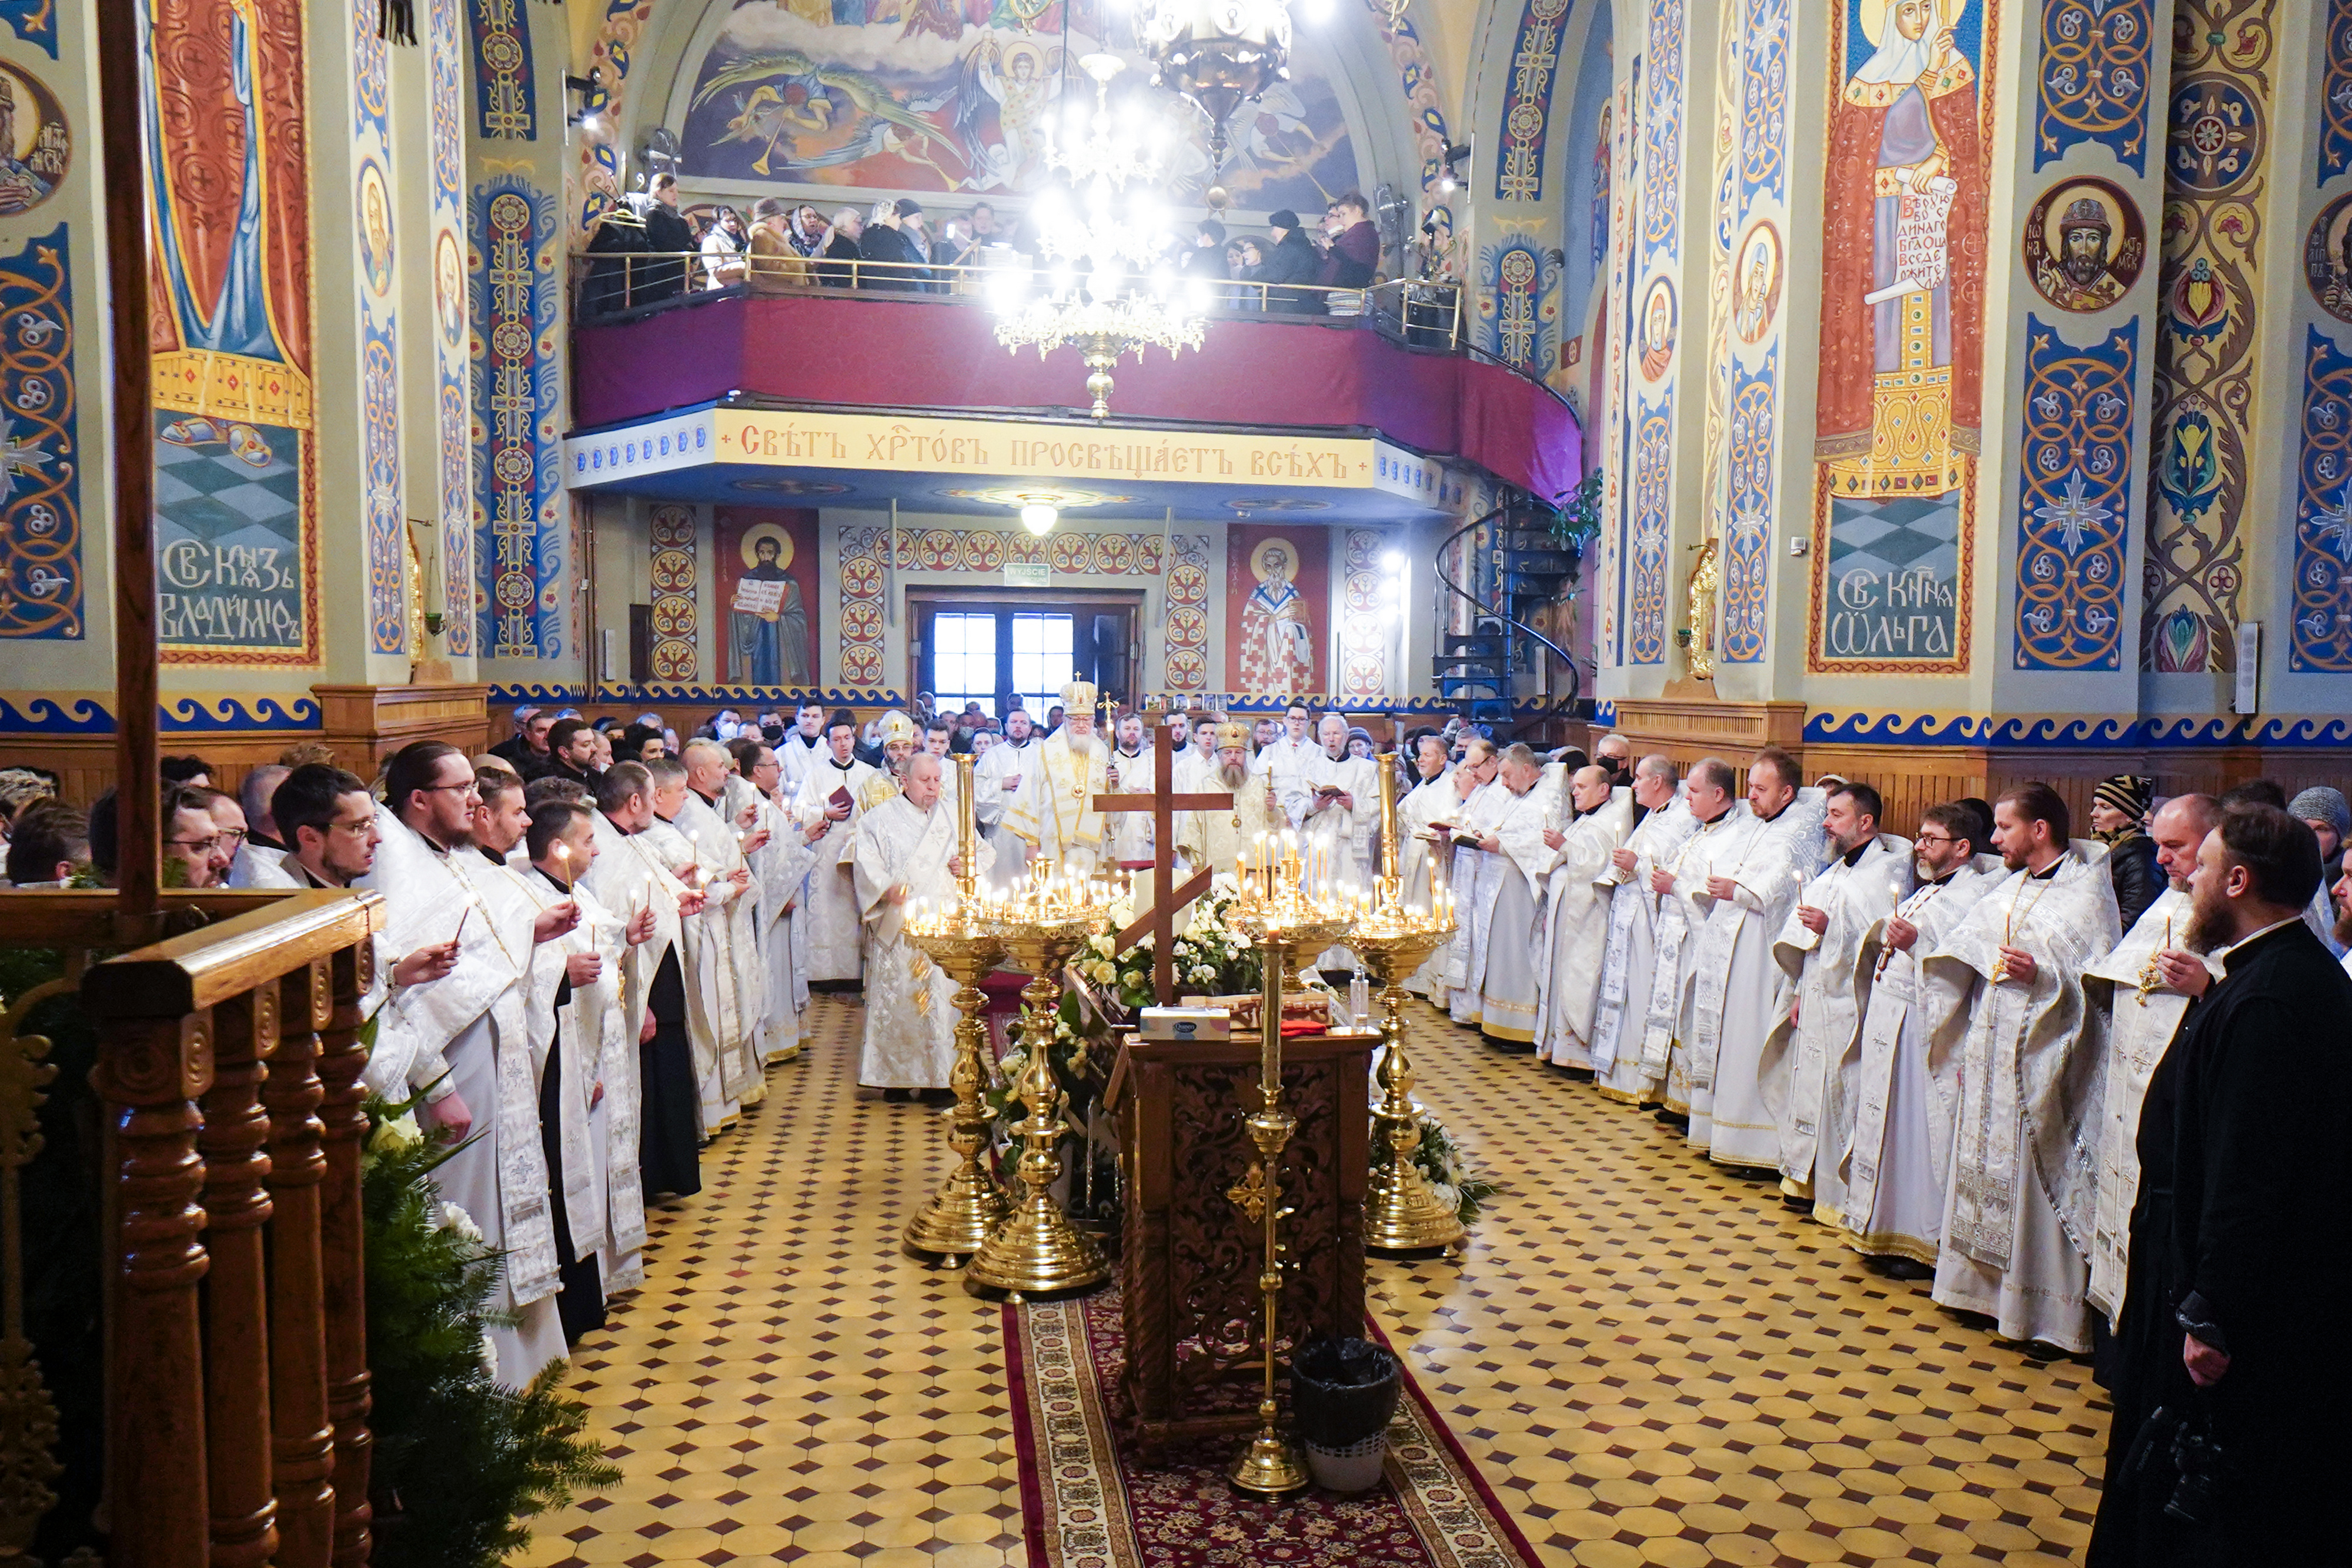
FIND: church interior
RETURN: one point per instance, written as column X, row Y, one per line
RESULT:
column 907, row 781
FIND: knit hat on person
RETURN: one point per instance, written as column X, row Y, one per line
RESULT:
column 1282, row 218
column 2321, row 804
column 2130, row 793
column 908, row 206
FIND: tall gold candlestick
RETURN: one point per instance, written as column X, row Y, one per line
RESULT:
column 964, row 942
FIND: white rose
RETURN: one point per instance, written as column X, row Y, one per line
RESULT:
column 451, row 1217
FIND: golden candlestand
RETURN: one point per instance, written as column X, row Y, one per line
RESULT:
column 1400, row 1214
column 1037, row 1251
column 965, row 941
column 1282, row 921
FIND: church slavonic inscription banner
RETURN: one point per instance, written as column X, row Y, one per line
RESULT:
column 1899, row 409
column 236, row 429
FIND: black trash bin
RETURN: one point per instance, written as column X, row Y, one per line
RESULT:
column 1344, row 1392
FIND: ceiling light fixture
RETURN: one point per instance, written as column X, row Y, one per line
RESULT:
column 1039, row 519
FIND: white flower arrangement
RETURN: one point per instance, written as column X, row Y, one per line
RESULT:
column 451, row 1217
column 399, row 1134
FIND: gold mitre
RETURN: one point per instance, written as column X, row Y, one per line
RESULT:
column 896, row 726
column 1234, row 736
column 1078, row 697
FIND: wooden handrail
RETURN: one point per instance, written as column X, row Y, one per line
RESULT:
column 278, row 935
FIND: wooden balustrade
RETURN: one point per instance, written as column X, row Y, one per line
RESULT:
column 228, row 1078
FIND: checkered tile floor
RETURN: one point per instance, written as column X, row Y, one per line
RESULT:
column 1652, row 1360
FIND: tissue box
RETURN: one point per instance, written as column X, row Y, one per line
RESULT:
column 1187, row 1023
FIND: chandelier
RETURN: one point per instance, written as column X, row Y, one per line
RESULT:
column 1106, row 293
column 1219, row 55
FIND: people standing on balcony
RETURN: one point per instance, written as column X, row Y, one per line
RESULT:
column 895, row 258
column 619, row 246
column 1245, row 264
column 722, row 250
column 1206, row 262
column 842, row 249
column 669, row 236
column 1293, row 260
column 1354, row 256
column 779, row 253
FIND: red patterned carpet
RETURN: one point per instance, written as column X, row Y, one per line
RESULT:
column 1091, row 1501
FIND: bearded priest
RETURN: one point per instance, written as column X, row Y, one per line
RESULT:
column 2006, row 1046
column 1629, row 959
column 1807, row 1070
column 996, row 779
column 1898, row 1149
column 1218, row 838
column 1575, row 930
column 829, row 794
column 726, row 834
column 2143, row 989
column 908, row 850
column 1432, row 795
column 1053, row 813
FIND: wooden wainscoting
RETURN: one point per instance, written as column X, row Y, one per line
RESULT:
column 363, row 726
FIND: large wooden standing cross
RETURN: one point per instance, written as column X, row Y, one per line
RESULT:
column 1163, row 804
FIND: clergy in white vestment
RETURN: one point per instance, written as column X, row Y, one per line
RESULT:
column 996, row 778
column 712, row 1000
column 1725, row 827
column 2144, row 990
column 1509, row 892
column 333, row 826
column 1132, row 769
column 780, row 867
column 1807, row 1068
column 2014, row 1049
column 1283, row 761
column 1053, row 813
column 1338, row 812
column 576, row 1034
column 1734, row 977
column 1217, row 839
column 605, row 1101
column 1574, row 933
column 830, row 794
column 725, row 840
column 636, row 884
column 1473, row 873
column 261, row 853
column 1431, row 795
column 1194, row 767
column 1896, row 1151
column 470, row 1033
column 800, row 750
column 907, row 853
column 1662, row 825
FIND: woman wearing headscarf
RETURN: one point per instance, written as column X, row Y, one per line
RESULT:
column 2119, row 816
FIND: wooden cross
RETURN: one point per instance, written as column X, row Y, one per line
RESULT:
column 1163, row 804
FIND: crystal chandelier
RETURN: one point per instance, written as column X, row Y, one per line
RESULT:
column 1104, row 293
column 1219, row 55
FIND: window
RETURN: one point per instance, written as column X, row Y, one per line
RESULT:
column 963, row 652
column 1041, row 658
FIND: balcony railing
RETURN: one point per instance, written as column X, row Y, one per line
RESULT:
column 628, row 285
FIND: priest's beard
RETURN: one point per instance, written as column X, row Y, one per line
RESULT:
column 2343, row 927
column 1233, row 778
column 2210, row 925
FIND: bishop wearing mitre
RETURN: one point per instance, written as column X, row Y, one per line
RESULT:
column 1660, row 825
column 907, row 853
column 1053, row 813
column 829, row 794
column 1217, row 839
column 1807, row 1068
column 1575, row 924
column 2011, row 1024
column 2143, row 989
column 1898, row 1149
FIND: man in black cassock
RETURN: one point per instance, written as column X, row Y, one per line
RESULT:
column 2233, row 1353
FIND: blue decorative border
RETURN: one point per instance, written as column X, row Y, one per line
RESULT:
column 1527, row 105
column 1763, row 101
column 213, row 715
column 883, row 697
column 2074, row 500
column 502, row 71
column 2058, row 732
column 2335, row 94
column 2322, row 637
column 41, row 570
column 2094, row 80
column 1662, row 150
column 1747, row 542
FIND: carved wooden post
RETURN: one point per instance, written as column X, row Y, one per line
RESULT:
column 301, row 1439
column 236, row 1317
column 149, row 1072
column 340, row 1060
